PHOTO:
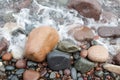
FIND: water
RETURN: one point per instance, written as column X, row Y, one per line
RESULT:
column 53, row 13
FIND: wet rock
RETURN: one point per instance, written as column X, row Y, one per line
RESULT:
column 14, row 77
column 68, row 46
column 81, row 33
column 2, row 68
column 19, row 72
column 117, row 59
column 31, row 64
column 107, row 32
column 84, row 53
column 83, row 65
column 58, row 60
column 3, row 44
column 74, row 74
column 46, row 38
column 7, row 57
column 31, row 75
column 112, row 68
column 99, row 73
column 9, row 68
column 21, row 63
column 98, row 53
column 67, row 72
column 52, row 75
column 89, row 9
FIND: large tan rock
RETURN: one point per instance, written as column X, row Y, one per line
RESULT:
column 98, row 53
column 40, row 42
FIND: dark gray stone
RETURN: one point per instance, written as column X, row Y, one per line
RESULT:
column 14, row 78
column 31, row 64
column 73, row 73
column 58, row 60
column 9, row 68
column 19, row 72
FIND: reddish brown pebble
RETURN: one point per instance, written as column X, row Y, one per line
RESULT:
column 84, row 53
column 7, row 57
column 57, row 75
column 21, row 63
column 43, row 72
column 31, row 75
column 67, row 72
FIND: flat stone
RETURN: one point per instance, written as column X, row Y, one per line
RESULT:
column 7, row 57
column 58, row 60
column 98, row 53
column 31, row 64
column 21, row 63
column 107, row 32
column 81, row 33
column 74, row 73
column 19, row 72
column 87, row 8
column 83, row 65
column 31, row 75
column 112, row 68
column 9, row 68
column 46, row 38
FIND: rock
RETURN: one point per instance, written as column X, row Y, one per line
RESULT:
column 67, row 72
column 98, row 53
column 58, row 60
column 3, row 44
column 76, row 55
column 80, row 78
column 19, row 72
column 74, row 74
column 31, row 75
column 112, row 68
column 31, row 64
column 81, row 33
column 68, row 46
column 117, row 59
column 7, row 57
column 43, row 72
column 9, row 68
column 99, row 73
column 107, row 32
column 2, row 68
column 83, row 65
column 89, row 9
column 46, row 38
column 84, row 53
column 14, row 77
column 52, row 75
column 21, row 63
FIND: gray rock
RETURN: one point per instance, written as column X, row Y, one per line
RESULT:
column 2, row 68
column 52, row 75
column 80, row 78
column 58, row 60
column 83, row 65
column 99, row 73
column 74, row 74
column 14, row 78
column 9, row 68
column 31, row 64
column 19, row 72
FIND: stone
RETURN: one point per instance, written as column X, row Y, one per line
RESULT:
column 98, row 53
column 52, row 75
column 58, row 60
column 81, row 33
column 67, row 46
column 83, row 65
column 108, row 32
column 21, row 63
column 112, row 68
column 99, row 73
column 67, row 72
column 31, row 64
column 31, row 75
column 2, row 68
column 74, row 73
column 7, row 57
column 84, row 53
column 87, row 8
column 3, row 44
column 116, row 59
column 14, row 77
column 19, row 72
column 9, row 68
column 46, row 38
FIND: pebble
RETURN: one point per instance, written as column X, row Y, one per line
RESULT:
column 14, row 77
column 84, row 53
column 76, row 55
column 31, row 64
column 31, row 75
column 46, row 38
column 89, row 9
column 98, row 53
column 58, row 60
column 52, row 75
column 21, row 63
column 2, row 68
column 9, row 68
column 81, row 33
column 43, row 72
column 80, row 78
column 74, row 73
column 112, row 68
column 83, row 65
column 99, row 73
column 117, row 59
column 7, row 57
column 19, row 72
column 107, row 32
column 67, row 72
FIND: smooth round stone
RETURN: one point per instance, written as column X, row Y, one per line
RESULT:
column 52, row 75
column 67, row 72
column 31, row 75
column 31, row 64
column 7, row 57
column 74, row 74
column 9, row 68
column 84, row 53
column 14, row 77
column 98, row 53
column 58, row 60
column 19, row 72
column 21, row 63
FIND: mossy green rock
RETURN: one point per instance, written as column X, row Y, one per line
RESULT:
column 83, row 65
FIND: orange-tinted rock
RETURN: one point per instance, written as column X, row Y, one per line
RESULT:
column 7, row 57
column 31, row 75
column 84, row 53
column 40, row 42
column 87, row 8
column 81, row 33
